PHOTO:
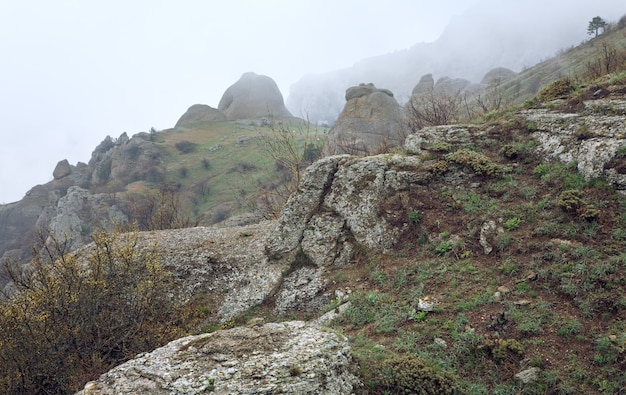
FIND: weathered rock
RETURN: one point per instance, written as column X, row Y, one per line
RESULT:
column 343, row 201
column 487, row 231
column 253, row 96
column 591, row 140
column 62, row 169
column 125, row 159
column 286, row 358
column 528, row 376
column 371, row 119
column 427, row 137
column 226, row 264
column 425, row 85
column 199, row 114
column 79, row 212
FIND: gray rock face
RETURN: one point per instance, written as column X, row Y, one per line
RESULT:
column 62, row 169
column 591, row 139
column 286, row 358
column 125, row 159
column 79, row 212
column 199, row 114
column 253, row 96
column 343, row 201
column 371, row 118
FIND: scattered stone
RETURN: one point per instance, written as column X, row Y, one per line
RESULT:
column 497, row 296
column 487, row 230
column 522, row 302
column 504, row 289
column 439, row 341
column 528, row 376
column 427, row 303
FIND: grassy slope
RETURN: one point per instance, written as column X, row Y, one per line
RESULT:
column 570, row 63
column 561, row 278
column 235, row 173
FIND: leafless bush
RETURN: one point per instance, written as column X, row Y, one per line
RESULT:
column 433, row 108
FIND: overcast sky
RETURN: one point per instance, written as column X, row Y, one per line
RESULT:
column 73, row 72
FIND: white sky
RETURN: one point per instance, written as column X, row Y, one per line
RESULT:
column 72, row 72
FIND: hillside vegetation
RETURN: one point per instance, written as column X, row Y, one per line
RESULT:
column 508, row 275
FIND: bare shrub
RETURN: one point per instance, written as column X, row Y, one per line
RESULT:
column 69, row 320
column 185, row 147
column 433, row 108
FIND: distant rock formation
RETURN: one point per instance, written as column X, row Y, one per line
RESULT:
column 498, row 76
column 425, row 85
column 62, row 169
column 253, row 96
column 370, row 119
column 199, row 114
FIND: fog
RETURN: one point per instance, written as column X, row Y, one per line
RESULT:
column 73, row 72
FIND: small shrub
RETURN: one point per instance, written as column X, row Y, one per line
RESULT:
column 411, row 375
column 414, row 217
column 477, row 162
column 509, row 151
column 512, row 223
column 568, row 328
column 557, row 89
column 183, row 171
column 443, row 247
column 185, row 147
column 206, row 164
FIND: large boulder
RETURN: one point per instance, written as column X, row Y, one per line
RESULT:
column 253, row 96
column 199, row 114
column 425, row 85
column 371, row 119
column 285, row 358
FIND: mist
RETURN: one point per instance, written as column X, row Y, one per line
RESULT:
column 74, row 72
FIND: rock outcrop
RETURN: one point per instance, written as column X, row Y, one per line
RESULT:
column 343, row 202
column 253, row 96
column 371, row 119
column 62, row 169
column 199, row 114
column 286, row 358
column 126, row 160
column 590, row 139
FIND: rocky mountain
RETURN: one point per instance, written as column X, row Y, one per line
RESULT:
column 82, row 198
column 347, row 205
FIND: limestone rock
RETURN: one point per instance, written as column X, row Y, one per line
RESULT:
column 199, row 114
column 371, row 118
column 62, row 169
column 253, row 96
column 427, row 137
column 591, row 139
column 79, row 212
column 286, row 358
column 343, row 201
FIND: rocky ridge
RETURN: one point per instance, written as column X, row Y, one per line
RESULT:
column 343, row 202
